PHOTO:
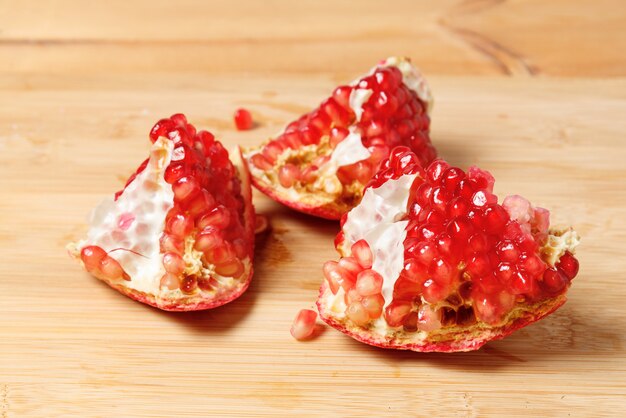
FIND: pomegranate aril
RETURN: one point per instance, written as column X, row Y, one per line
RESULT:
column 243, row 119
column 495, row 219
column 441, row 272
column 568, row 264
column 357, row 314
column 304, row 324
column 396, row 312
column 232, row 268
column 261, row 162
column 369, row 282
column 288, row 175
column 428, row 319
column 189, row 284
column 350, row 265
column 173, row 263
column 335, row 275
column 337, row 135
column 478, row 265
column 91, row 257
column 218, row 217
column 171, row 243
column 342, row 96
column 373, row 305
column 554, row 281
column 185, row 188
column 170, row 281
column 179, row 225
column 435, row 170
column 434, row 292
column 207, row 239
column 362, row 253
column 111, row 269
column 532, row 265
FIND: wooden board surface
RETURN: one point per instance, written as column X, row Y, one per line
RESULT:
column 533, row 91
column 71, row 346
column 526, row 38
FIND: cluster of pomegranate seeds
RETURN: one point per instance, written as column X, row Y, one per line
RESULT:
column 304, row 324
column 207, row 206
column 243, row 120
column 466, row 257
column 393, row 115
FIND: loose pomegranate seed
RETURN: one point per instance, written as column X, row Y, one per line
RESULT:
column 304, row 324
column 243, row 119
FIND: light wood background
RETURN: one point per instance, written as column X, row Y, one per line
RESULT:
column 534, row 91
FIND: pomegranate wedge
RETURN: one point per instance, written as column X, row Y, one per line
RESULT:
column 322, row 161
column 180, row 235
column 431, row 261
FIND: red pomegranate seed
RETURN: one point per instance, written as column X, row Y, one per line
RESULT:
column 91, row 257
column 243, row 119
column 178, row 225
column 272, row 151
column 333, row 276
column 357, row 314
column 309, row 174
column 170, row 281
column 369, row 283
column 337, row 135
column 173, row 263
column 352, row 295
column 171, row 243
column 185, row 187
column 427, row 319
column 232, row 268
column 350, row 265
column 362, row 253
column 304, row 324
column 554, row 281
column 189, row 284
column 288, row 175
column 396, row 312
column 261, row 162
column 111, row 269
column 568, row 265
column 373, row 305
column 218, row 217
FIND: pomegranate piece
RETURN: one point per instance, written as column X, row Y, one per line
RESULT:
column 243, row 120
column 322, row 161
column 304, row 324
column 180, row 235
column 438, row 265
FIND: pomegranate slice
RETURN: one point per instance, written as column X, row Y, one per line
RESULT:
column 321, row 163
column 180, row 235
column 431, row 261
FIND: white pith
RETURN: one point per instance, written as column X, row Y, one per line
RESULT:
column 377, row 220
column 351, row 150
column 148, row 198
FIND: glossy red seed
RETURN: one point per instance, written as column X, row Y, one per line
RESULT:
column 568, row 264
column 362, row 253
column 304, row 324
column 91, row 257
column 189, row 284
column 243, row 119
column 369, row 283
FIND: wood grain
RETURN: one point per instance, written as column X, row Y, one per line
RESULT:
column 487, row 37
column 71, row 346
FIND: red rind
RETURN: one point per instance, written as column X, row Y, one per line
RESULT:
column 458, row 342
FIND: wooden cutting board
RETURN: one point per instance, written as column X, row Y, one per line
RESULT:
column 71, row 346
